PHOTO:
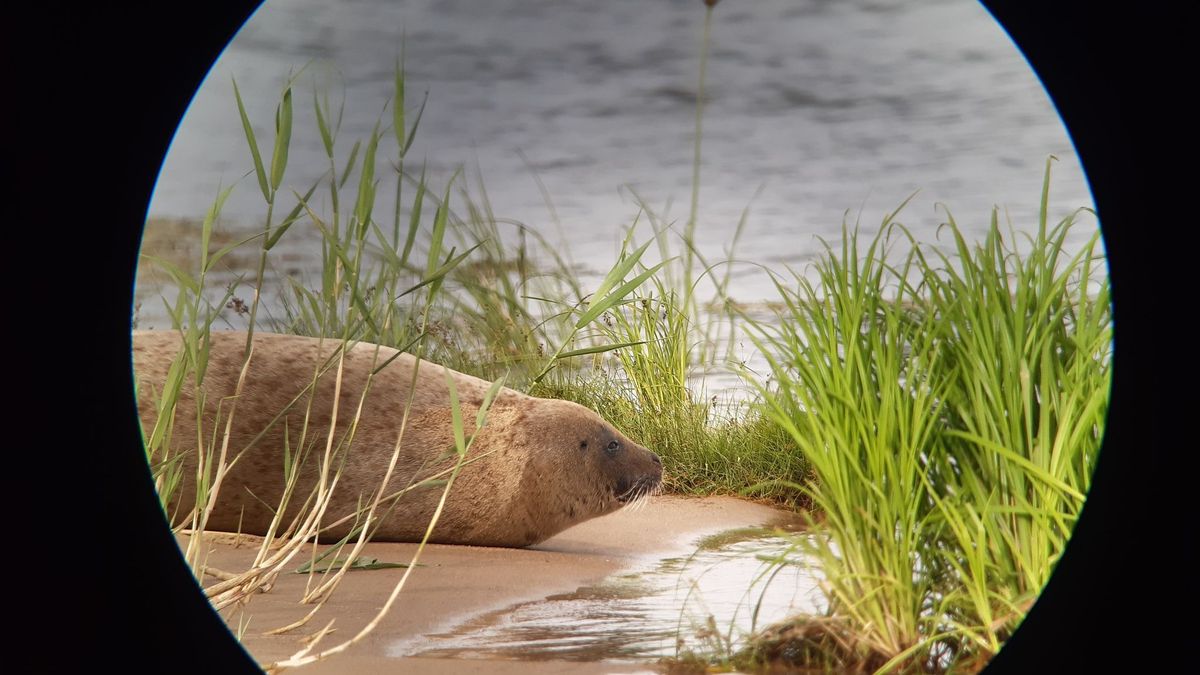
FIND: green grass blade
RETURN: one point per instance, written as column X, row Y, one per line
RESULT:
column 618, row 272
column 210, row 218
column 414, row 221
column 456, row 420
column 441, row 272
column 258, row 164
column 398, row 102
column 481, row 416
column 1031, row 470
column 323, row 127
column 439, row 229
column 349, row 164
column 182, row 279
column 598, row 307
column 366, row 185
column 212, row 261
column 412, row 133
column 283, row 139
column 293, row 215
column 599, row 349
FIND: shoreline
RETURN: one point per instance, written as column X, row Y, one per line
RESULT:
column 456, row 583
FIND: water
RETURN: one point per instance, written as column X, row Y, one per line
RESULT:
column 829, row 107
column 817, row 112
column 645, row 614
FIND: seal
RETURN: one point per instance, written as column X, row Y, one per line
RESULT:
column 537, row 467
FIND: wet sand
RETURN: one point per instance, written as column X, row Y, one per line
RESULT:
column 456, row 583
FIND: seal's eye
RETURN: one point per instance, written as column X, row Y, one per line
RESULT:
column 612, row 448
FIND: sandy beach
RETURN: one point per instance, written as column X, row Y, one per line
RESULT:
column 456, row 583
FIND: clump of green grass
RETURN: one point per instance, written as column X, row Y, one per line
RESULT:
column 1027, row 370
column 706, row 450
column 951, row 406
column 843, row 362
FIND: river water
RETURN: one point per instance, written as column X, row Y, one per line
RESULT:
column 827, row 106
column 817, row 112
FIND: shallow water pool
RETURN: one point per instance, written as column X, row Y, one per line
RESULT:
column 713, row 599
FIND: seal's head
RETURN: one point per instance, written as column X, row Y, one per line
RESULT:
column 582, row 465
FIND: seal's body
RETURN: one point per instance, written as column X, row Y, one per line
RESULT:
column 549, row 464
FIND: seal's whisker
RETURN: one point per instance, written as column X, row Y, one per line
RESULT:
column 637, row 496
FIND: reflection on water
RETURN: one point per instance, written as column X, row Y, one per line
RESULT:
column 730, row 586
